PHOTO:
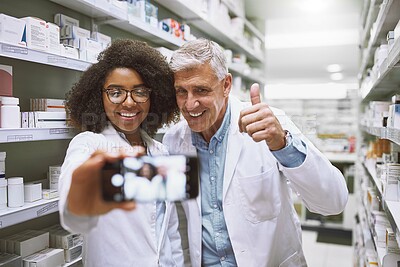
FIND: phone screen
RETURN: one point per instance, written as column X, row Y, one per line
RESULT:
column 145, row 179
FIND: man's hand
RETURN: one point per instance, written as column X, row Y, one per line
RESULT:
column 84, row 197
column 260, row 123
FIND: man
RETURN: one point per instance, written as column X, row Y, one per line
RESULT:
column 251, row 156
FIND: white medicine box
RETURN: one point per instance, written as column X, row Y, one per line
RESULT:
column 36, row 33
column 53, row 38
column 12, row 30
column 32, row 192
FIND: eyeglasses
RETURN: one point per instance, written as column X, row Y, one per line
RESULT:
column 119, row 95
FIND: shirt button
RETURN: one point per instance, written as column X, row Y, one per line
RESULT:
column 153, row 217
column 211, row 151
column 222, row 258
column 215, row 206
column 212, row 178
column 217, row 234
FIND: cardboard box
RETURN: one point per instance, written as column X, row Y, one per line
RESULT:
column 70, row 52
column 53, row 38
column 105, row 40
column 45, row 258
column 32, row 192
column 73, row 253
column 12, row 30
column 36, row 33
column 31, row 243
column 10, row 260
column 49, row 193
column 61, row 20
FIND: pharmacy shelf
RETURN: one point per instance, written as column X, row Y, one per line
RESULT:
column 364, row 13
column 393, row 212
column 391, row 208
column 381, row 252
column 341, row 157
column 380, row 132
column 23, row 53
column 29, row 211
column 385, row 22
column 194, row 17
column 391, row 134
column 245, row 73
column 367, row 236
column 72, row 262
column 369, row 164
column 371, row 17
column 105, row 12
column 148, row 32
column 387, row 78
column 35, row 134
column 247, row 23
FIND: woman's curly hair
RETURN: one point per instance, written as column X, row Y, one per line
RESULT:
column 85, row 101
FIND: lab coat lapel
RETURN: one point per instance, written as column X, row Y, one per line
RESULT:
column 188, row 149
column 164, row 224
column 234, row 145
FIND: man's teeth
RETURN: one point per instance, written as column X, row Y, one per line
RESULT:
column 128, row 114
column 195, row 114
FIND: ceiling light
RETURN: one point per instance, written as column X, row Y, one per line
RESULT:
column 336, row 76
column 334, row 68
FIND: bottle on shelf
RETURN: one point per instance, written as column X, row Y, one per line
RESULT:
column 10, row 112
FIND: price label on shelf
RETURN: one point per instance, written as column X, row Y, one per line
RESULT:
column 19, row 138
column 11, row 49
column 49, row 208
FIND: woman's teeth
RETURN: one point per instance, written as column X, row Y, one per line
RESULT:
column 129, row 115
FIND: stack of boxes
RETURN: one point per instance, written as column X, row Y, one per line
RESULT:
column 45, row 113
column 52, row 246
column 64, row 37
column 80, row 43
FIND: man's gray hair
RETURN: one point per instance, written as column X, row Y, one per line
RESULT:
column 198, row 52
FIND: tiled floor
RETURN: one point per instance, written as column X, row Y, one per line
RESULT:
column 325, row 255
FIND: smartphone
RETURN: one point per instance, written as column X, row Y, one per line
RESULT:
column 147, row 178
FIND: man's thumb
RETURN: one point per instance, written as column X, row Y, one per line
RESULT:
column 255, row 94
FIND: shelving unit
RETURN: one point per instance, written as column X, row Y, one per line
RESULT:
column 107, row 13
column 385, row 22
column 35, row 134
column 370, row 18
column 29, row 211
column 381, row 17
column 26, row 54
column 72, row 262
column 384, row 133
column 201, row 21
column 238, row 69
column 388, row 77
column 59, row 73
column 391, row 208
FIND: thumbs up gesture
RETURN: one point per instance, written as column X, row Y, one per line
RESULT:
column 260, row 123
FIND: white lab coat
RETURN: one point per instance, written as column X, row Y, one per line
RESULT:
column 262, row 224
column 119, row 238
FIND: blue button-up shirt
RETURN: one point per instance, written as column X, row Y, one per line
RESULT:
column 216, row 245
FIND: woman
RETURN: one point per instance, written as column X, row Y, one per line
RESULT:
column 118, row 103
